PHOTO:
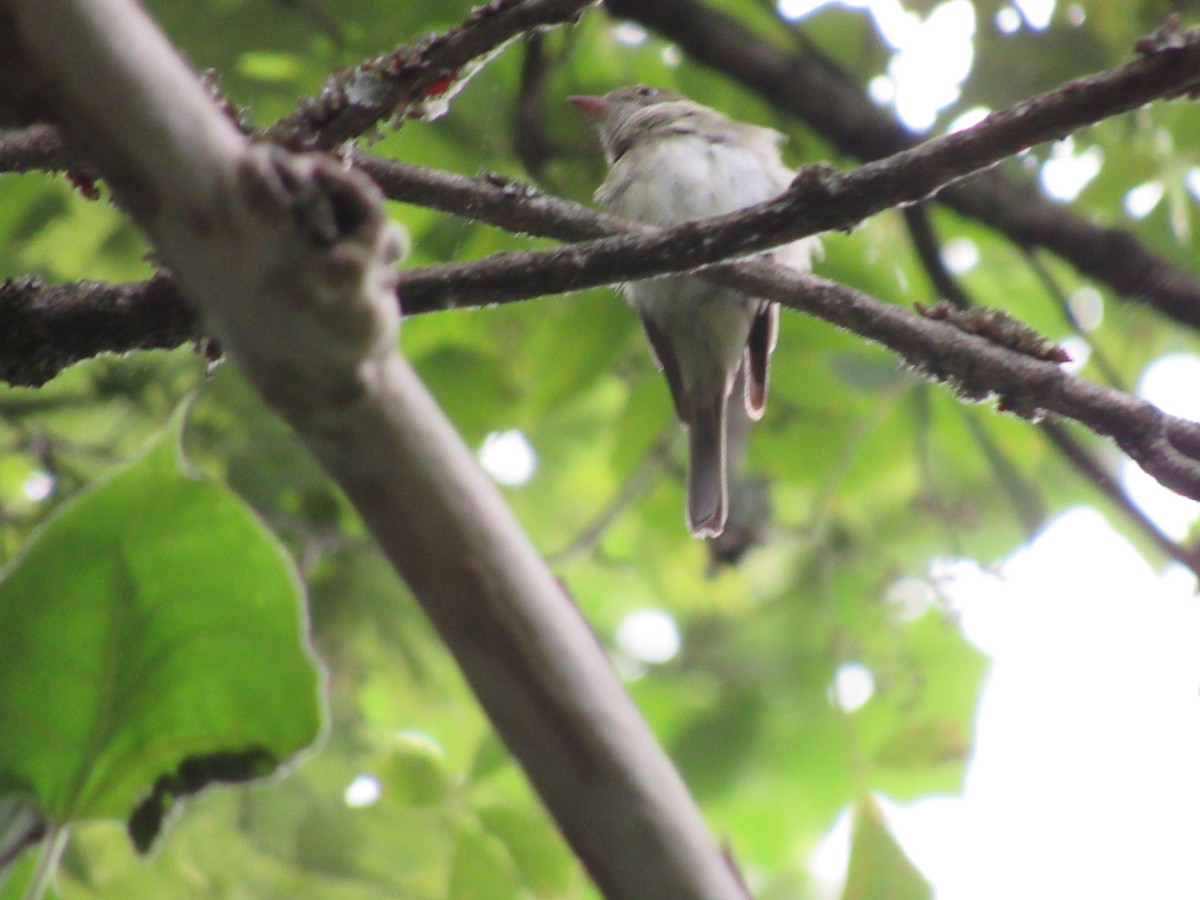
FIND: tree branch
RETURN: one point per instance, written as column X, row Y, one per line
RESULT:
column 523, row 209
column 822, row 199
column 46, row 328
column 288, row 257
column 976, row 365
column 1165, row 445
column 1072, row 450
column 37, row 148
column 835, row 105
column 405, row 82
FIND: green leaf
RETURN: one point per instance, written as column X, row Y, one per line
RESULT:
column 878, row 867
column 415, row 771
column 916, row 733
column 542, row 858
column 482, row 868
column 154, row 643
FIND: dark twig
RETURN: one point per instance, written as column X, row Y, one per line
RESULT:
column 320, row 18
column 638, row 483
column 531, row 143
column 929, row 252
column 45, row 328
column 1105, row 482
column 1098, row 357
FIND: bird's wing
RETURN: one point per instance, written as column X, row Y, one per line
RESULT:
column 664, row 354
column 764, row 331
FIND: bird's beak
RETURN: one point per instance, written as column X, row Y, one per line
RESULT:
column 592, row 107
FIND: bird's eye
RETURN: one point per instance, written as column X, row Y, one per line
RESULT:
column 644, row 91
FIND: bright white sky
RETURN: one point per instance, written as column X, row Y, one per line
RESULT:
column 1085, row 777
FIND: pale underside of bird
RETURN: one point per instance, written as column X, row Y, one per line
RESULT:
column 673, row 161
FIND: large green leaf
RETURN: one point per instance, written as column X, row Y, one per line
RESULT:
column 153, row 642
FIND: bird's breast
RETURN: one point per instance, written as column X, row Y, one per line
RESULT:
column 684, row 176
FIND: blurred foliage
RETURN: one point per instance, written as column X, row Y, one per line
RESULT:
column 871, row 474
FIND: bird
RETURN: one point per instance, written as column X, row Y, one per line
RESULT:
column 672, row 160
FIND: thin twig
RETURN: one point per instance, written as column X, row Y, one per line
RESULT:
column 929, row 252
column 638, row 482
column 1107, row 371
column 1106, row 483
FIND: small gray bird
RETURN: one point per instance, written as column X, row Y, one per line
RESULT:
column 670, row 161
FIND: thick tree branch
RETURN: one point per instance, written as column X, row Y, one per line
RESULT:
column 45, row 328
column 288, row 257
column 835, row 106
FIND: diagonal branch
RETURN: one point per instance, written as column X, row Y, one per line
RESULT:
column 288, row 256
column 409, row 81
column 804, row 84
column 406, row 81
column 822, row 199
column 1165, row 446
column 836, row 106
column 1072, row 450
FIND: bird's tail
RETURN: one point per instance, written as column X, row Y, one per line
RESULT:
column 706, row 491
